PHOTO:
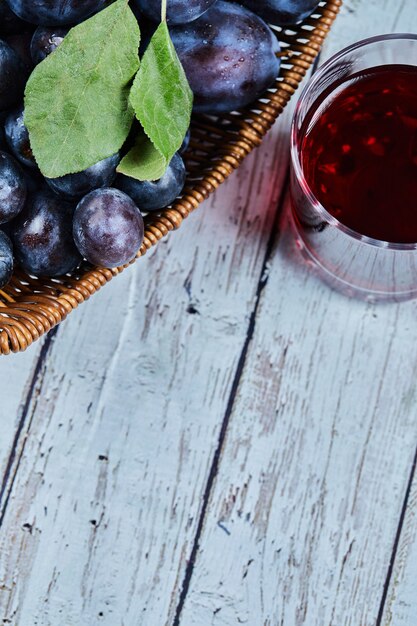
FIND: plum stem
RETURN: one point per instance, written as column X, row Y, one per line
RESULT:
column 164, row 11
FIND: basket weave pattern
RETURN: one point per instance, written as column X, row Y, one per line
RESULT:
column 30, row 307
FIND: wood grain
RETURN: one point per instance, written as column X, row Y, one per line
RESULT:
column 19, row 377
column 360, row 19
column 316, row 461
column 105, row 504
column 400, row 608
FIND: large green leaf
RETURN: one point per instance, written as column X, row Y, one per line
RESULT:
column 161, row 96
column 77, row 100
column 143, row 161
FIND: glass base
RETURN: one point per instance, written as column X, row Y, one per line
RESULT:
column 348, row 289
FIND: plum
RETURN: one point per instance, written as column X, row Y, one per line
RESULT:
column 229, row 56
column 178, row 11
column 6, row 259
column 10, row 24
column 282, row 12
column 108, row 227
column 13, row 188
column 155, row 195
column 186, row 143
column 3, row 142
column 13, row 75
column 55, row 12
column 45, row 40
column 42, row 236
column 17, row 138
column 76, row 185
column 21, row 45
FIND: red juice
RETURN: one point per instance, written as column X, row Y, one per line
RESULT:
column 359, row 152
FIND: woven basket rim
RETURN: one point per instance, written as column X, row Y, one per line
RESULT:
column 31, row 307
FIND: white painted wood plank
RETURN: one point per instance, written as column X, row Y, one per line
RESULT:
column 401, row 603
column 306, row 503
column 359, row 19
column 304, row 512
column 16, row 372
column 106, row 501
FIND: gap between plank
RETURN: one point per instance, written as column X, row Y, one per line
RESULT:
column 274, row 235
column 11, row 469
column 263, row 279
column 396, row 542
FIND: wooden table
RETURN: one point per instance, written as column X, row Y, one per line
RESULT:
column 217, row 438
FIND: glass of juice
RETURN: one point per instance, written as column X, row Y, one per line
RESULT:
column 354, row 169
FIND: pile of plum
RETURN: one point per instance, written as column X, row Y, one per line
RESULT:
column 48, row 226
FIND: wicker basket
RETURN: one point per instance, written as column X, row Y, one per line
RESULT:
column 30, row 307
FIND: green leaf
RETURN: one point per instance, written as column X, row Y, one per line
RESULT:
column 77, row 100
column 144, row 161
column 161, row 96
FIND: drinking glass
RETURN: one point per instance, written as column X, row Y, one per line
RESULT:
column 347, row 260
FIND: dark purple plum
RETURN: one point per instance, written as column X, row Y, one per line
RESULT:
column 282, row 12
column 186, row 143
column 21, row 45
column 55, row 12
column 42, row 236
column 13, row 188
column 3, row 142
column 108, row 227
column 13, row 75
column 229, row 55
column 178, row 11
column 10, row 24
column 155, row 195
column 34, row 180
column 45, row 40
column 99, row 175
column 6, row 259
column 17, row 137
